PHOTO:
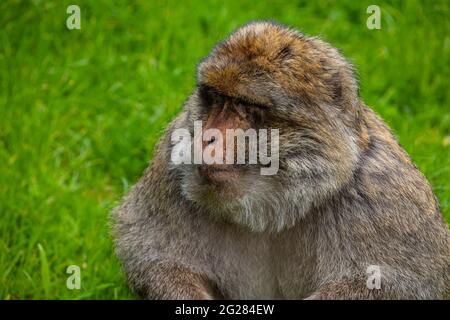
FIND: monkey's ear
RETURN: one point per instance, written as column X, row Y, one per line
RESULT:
column 346, row 89
column 337, row 88
column 340, row 76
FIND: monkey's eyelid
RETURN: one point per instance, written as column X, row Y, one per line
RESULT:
column 250, row 104
column 217, row 96
column 211, row 93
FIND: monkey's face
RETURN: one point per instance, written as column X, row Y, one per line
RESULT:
column 310, row 156
column 293, row 97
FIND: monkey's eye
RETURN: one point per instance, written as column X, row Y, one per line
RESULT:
column 250, row 105
column 219, row 99
column 206, row 97
column 211, row 98
column 252, row 112
column 253, row 108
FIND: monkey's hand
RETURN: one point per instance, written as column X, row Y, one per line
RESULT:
column 349, row 290
column 170, row 282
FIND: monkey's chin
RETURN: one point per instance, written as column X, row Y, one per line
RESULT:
column 241, row 201
column 216, row 188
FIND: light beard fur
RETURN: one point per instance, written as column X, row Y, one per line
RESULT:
column 262, row 203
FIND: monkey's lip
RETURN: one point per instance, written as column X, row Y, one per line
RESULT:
column 220, row 172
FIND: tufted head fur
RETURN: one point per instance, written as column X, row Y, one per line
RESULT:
column 264, row 63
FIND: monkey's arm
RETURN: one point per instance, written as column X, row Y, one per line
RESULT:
column 155, row 269
column 162, row 265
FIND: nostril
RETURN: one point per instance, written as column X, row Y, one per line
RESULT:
column 211, row 140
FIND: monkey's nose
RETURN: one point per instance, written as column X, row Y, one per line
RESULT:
column 209, row 141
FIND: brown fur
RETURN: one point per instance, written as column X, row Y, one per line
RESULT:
column 346, row 196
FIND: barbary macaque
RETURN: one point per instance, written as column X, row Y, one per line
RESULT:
column 344, row 214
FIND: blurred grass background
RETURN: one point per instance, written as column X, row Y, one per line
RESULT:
column 81, row 110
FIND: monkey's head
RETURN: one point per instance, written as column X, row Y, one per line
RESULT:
column 266, row 76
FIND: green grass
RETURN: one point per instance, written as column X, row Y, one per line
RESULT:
column 81, row 110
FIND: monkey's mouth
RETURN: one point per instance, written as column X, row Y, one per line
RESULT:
column 221, row 173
